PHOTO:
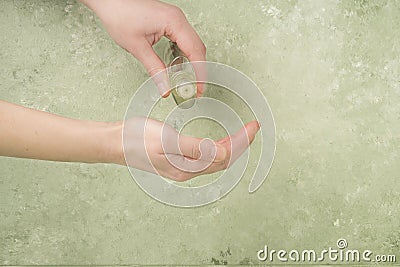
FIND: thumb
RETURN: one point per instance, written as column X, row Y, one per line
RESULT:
column 144, row 52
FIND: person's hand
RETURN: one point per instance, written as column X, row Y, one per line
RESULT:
column 157, row 147
column 139, row 142
column 136, row 25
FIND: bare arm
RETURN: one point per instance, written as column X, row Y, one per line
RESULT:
column 29, row 133
column 135, row 26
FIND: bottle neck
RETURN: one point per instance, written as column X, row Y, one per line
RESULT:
column 185, row 87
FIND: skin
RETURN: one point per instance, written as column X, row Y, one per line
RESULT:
column 135, row 25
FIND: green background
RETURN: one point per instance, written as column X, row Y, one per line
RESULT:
column 330, row 71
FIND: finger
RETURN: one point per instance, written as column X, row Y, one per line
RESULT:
column 144, row 52
column 236, row 144
column 196, row 154
column 187, row 165
column 193, row 47
column 240, row 141
column 202, row 149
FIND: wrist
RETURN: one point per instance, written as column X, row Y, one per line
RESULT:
column 111, row 143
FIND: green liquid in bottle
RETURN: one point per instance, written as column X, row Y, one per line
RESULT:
column 181, row 76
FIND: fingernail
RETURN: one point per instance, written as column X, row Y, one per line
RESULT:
column 165, row 95
column 163, row 89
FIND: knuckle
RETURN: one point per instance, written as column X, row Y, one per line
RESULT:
column 225, row 163
column 175, row 12
column 203, row 48
column 196, row 151
column 153, row 70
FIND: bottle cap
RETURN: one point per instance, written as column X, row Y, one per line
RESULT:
column 186, row 91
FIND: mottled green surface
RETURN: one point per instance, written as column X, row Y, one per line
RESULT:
column 330, row 71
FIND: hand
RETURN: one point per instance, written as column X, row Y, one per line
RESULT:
column 149, row 145
column 136, row 25
column 156, row 147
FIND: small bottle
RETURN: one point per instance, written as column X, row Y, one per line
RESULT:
column 181, row 76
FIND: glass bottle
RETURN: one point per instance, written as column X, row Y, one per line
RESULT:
column 181, row 76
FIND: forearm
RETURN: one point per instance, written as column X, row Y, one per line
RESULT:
column 29, row 133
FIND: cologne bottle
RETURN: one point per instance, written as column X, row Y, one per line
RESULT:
column 181, row 76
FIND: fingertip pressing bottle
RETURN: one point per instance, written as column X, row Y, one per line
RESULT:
column 181, row 76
